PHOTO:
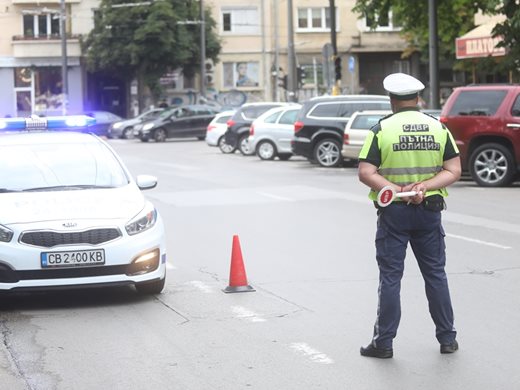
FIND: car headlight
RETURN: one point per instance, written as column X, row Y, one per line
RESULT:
column 143, row 221
column 148, row 126
column 5, row 234
column 117, row 125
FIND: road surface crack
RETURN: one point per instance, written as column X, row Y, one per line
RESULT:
column 11, row 356
column 186, row 319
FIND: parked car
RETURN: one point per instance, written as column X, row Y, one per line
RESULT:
column 237, row 133
column 485, row 122
column 217, row 127
column 432, row 112
column 72, row 215
column 125, row 128
column 180, row 122
column 320, row 125
column 270, row 134
column 103, row 121
column 356, row 131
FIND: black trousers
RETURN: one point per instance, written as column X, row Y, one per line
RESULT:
column 397, row 225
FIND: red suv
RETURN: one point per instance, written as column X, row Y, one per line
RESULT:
column 485, row 122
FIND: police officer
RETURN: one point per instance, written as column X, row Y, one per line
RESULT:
column 410, row 151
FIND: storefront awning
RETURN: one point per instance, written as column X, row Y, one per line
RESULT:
column 479, row 42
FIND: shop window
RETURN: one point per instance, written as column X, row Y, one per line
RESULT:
column 47, row 89
column 47, row 86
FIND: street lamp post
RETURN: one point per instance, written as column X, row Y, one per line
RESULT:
column 291, row 55
column 202, row 52
column 64, row 75
column 434, row 54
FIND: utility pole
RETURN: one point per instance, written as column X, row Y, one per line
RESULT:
column 337, row 61
column 202, row 51
column 64, row 75
column 434, row 54
column 291, row 55
column 276, row 53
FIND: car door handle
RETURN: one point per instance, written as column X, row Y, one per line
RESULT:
column 514, row 125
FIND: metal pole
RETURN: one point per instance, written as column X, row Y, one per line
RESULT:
column 276, row 53
column 64, row 75
column 336, row 88
column 291, row 55
column 202, row 52
column 434, row 55
column 315, row 76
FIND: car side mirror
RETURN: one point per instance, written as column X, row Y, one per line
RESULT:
column 146, row 182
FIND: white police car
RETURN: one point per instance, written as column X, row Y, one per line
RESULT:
column 71, row 214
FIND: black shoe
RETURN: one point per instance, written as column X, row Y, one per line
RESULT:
column 381, row 353
column 450, row 348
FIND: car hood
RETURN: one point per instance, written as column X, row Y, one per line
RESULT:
column 129, row 122
column 112, row 203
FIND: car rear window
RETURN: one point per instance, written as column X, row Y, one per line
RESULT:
column 325, row 110
column 289, row 117
column 254, row 112
column 483, row 103
column 366, row 121
column 223, row 119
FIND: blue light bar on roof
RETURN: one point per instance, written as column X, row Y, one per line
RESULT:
column 44, row 123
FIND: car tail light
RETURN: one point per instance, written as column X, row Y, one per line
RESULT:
column 443, row 119
column 298, row 126
column 252, row 130
column 210, row 127
column 230, row 123
column 346, row 141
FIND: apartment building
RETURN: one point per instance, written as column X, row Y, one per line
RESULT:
column 255, row 42
column 251, row 66
column 31, row 56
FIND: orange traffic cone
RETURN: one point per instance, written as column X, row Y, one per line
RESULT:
column 237, row 273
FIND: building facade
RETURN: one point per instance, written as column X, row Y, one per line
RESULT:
column 31, row 60
column 255, row 42
column 252, row 66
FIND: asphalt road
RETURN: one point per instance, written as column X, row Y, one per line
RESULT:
column 306, row 235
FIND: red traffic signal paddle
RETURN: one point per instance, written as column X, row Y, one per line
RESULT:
column 388, row 194
column 237, row 273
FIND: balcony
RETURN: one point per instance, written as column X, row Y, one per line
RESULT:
column 46, row 46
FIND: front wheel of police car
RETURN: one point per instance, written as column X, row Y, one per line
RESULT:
column 72, row 216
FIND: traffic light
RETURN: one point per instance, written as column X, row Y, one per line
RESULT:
column 282, row 82
column 300, row 76
column 337, row 67
column 210, row 72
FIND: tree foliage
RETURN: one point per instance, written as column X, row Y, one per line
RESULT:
column 454, row 18
column 147, row 39
column 509, row 29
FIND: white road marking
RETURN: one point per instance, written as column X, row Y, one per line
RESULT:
column 242, row 312
column 277, row 197
column 170, row 266
column 478, row 241
column 314, row 355
column 201, row 286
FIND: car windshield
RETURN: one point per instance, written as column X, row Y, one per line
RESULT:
column 52, row 167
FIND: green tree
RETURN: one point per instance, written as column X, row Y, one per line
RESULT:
column 145, row 40
column 454, row 18
column 509, row 29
